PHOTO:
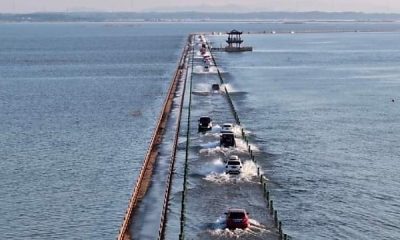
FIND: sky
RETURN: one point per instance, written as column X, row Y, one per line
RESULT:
column 24, row 6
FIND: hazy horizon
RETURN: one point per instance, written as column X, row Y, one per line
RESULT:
column 366, row 6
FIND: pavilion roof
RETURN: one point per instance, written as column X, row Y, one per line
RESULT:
column 234, row 31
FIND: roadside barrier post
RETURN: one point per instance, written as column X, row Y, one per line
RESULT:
column 271, row 206
column 276, row 218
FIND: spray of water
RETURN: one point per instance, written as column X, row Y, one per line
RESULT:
column 211, row 151
column 209, row 145
column 218, row 175
column 237, row 130
column 228, row 87
column 216, row 129
column 241, row 144
column 200, row 70
column 213, row 148
column 219, row 229
column 213, row 166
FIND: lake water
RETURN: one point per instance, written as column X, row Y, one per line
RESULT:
column 78, row 103
column 78, row 106
column 320, row 106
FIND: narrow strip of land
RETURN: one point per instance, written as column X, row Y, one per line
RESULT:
column 144, row 212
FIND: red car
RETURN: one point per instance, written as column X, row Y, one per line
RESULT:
column 237, row 218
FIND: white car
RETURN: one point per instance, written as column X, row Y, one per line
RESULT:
column 233, row 165
column 227, row 128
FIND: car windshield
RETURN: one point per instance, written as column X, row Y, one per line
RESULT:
column 227, row 135
column 227, row 126
column 236, row 215
column 205, row 120
column 234, row 163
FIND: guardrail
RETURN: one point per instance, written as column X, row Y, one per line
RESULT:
column 123, row 233
column 262, row 178
column 183, row 199
column 163, row 218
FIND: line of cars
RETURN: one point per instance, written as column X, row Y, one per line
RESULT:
column 235, row 217
column 233, row 164
column 206, row 57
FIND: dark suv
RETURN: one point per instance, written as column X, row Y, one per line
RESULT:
column 205, row 124
column 215, row 87
column 227, row 140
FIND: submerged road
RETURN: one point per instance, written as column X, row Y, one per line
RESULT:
column 210, row 190
column 184, row 191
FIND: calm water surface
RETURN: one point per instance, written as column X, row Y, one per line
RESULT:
column 78, row 106
column 78, row 103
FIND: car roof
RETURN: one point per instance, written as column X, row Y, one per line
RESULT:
column 233, row 157
column 230, row 124
column 232, row 161
column 236, row 210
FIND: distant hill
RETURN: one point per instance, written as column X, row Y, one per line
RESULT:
column 195, row 16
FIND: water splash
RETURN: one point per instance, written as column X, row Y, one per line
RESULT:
column 241, row 144
column 249, row 171
column 228, row 87
column 232, row 91
column 216, row 128
column 219, row 229
column 237, row 130
column 213, row 166
column 212, row 151
column 209, row 145
column 200, row 70
column 248, row 174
